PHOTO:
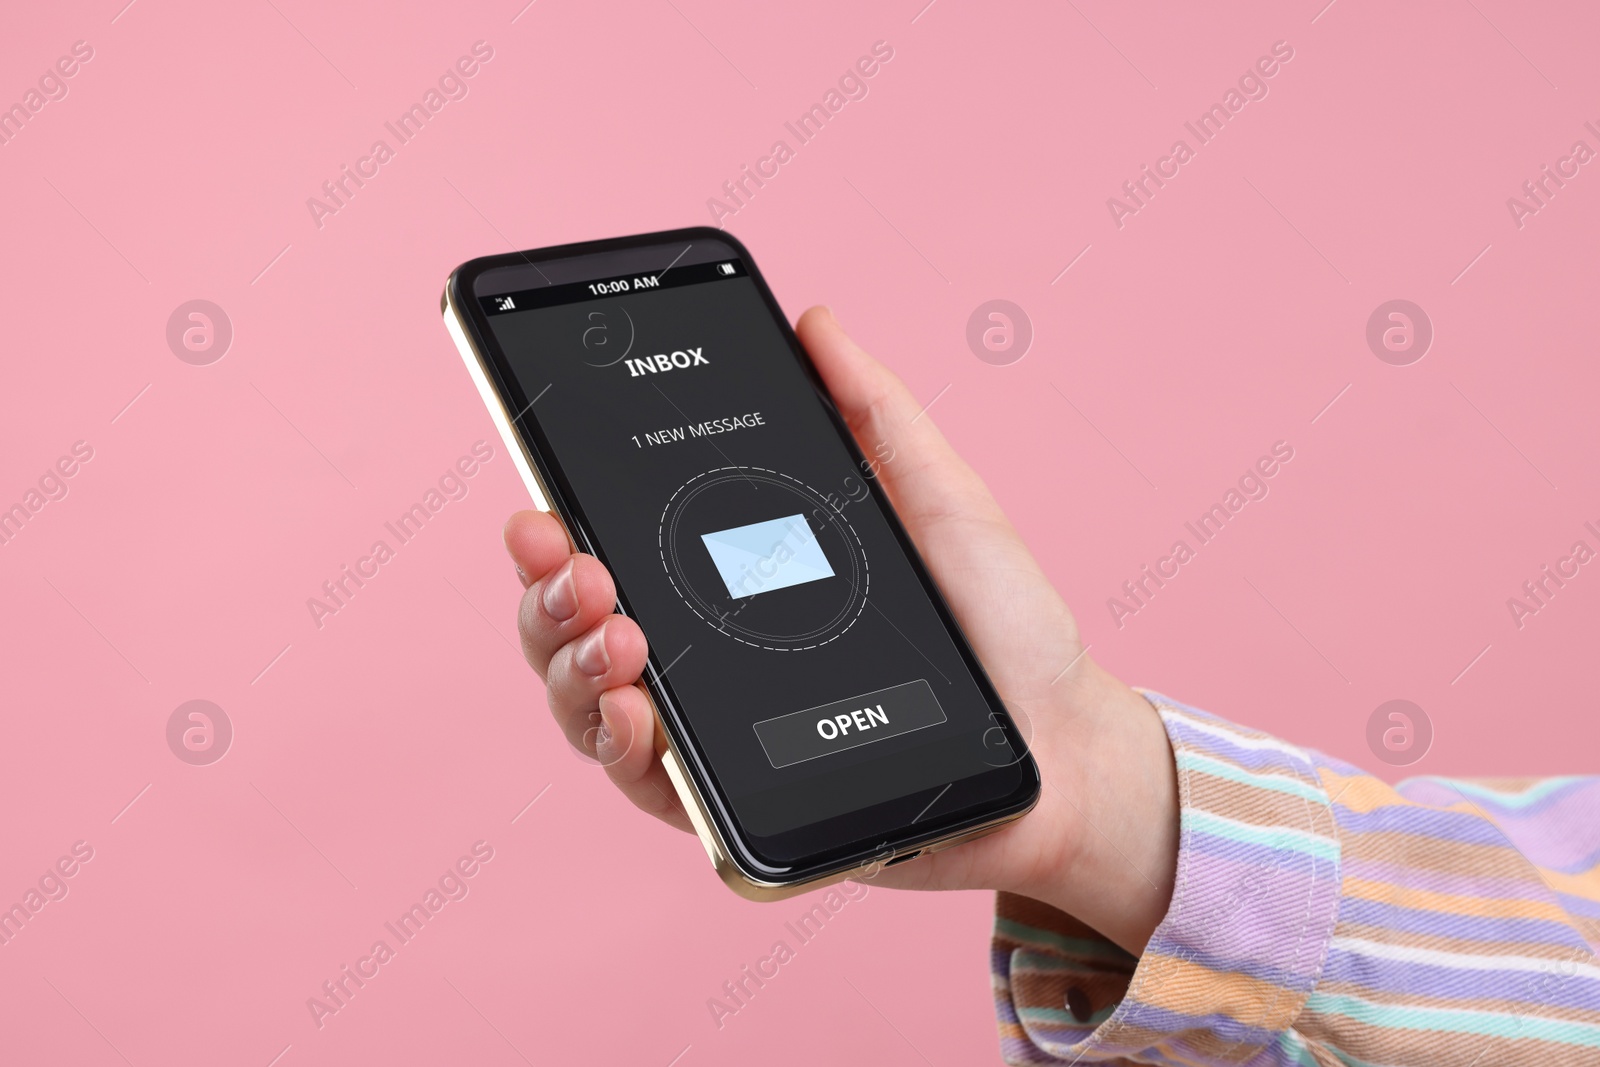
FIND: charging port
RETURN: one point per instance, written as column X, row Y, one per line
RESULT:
column 907, row 858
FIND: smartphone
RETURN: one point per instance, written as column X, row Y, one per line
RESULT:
column 821, row 712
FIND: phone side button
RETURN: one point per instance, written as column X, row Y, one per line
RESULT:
column 691, row 804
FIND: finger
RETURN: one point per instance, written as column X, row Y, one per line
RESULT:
column 609, row 655
column 561, row 605
column 626, row 748
column 537, row 542
column 922, row 473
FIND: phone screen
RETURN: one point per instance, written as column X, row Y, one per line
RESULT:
column 808, row 656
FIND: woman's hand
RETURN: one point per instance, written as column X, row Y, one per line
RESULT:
column 1102, row 843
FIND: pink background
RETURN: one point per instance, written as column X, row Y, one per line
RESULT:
column 370, row 754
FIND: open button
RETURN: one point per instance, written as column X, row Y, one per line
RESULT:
column 849, row 723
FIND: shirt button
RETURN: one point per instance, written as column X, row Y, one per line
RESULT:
column 1078, row 1004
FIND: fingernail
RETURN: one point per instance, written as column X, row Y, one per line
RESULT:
column 592, row 658
column 522, row 576
column 603, row 734
column 560, row 598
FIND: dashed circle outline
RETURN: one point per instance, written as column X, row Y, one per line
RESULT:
column 866, row 566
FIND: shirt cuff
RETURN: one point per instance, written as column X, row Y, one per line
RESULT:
column 1241, row 947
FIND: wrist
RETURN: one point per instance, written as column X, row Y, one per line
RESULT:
column 1109, row 770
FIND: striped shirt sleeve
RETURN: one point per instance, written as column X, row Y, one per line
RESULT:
column 1322, row 917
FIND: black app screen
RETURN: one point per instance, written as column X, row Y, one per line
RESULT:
column 795, row 635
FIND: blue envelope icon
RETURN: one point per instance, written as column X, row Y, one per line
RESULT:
column 767, row 555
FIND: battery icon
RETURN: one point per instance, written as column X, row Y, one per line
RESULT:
column 725, row 269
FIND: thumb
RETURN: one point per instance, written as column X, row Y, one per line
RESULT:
column 922, row 473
